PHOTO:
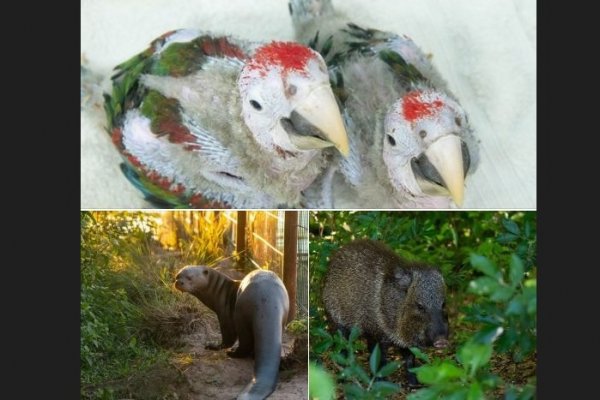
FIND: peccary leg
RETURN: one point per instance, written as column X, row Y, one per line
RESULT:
column 409, row 362
column 345, row 331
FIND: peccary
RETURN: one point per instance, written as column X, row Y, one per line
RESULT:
column 392, row 301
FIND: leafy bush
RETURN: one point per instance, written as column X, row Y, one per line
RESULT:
column 130, row 313
column 357, row 382
column 467, row 378
column 442, row 238
column 508, row 303
column 506, row 311
column 109, row 319
column 297, row 326
column 488, row 260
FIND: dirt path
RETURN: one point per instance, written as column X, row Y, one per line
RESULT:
column 213, row 375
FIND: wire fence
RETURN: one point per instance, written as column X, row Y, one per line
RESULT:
column 264, row 246
column 302, row 274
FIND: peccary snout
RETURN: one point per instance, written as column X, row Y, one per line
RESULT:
column 421, row 318
column 437, row 331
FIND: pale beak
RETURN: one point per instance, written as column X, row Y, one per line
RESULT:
column 316, row 122
column 446, row 156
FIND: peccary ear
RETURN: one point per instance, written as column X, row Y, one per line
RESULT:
column 403, row 277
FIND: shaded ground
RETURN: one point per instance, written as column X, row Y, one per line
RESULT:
column 212, row 374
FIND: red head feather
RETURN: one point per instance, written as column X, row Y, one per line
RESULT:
column 288, row 55
column 417, row 105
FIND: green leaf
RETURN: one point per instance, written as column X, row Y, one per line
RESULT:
column 435, row 374
column 510, row 394
column 424, row 394
column 339, row 359
column 384, row 388
column 474, row 356
column 484, row 265
column 505, row 238
column 454, row 236
column 532, row 306
column 483, row 285
column 419, row 354
column 347, row 373
column 321, row 385
column 527, row 229
column 489, row 380
column 511, row 226
column 353, row 390
column 502, row 293
column 460, row 394
column 375, row 359
column 488, row 334
column 321, row 347
column 388, row 369
column 475, row 392
column 354, row 334
column 515, row 306
column 360, row 373
column 522, row 250
column 516, row 270
column 530, row 283
column 527, row 393
column 320, row 332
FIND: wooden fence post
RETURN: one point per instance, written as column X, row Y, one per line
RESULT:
column 240, row 245
column 290, row 251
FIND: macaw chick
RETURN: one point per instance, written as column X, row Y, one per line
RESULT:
column 411, row 145
column 210, row 122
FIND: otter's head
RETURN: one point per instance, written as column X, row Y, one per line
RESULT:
column 193, row 278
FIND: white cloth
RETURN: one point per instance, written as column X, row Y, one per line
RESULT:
column 486, row 50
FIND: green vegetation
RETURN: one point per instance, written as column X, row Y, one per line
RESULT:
column 131, row 317
column 488, row 260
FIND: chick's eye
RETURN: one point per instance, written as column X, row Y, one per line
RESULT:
column 291, row 90
column 205, row 272
column 256, row 105
column 458, row 122
column 423, row 133
column 391, row 140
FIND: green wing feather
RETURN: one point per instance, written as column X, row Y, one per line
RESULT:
column 400, row 67
column 127, row 93
column 124, row 88
column 154, row 194
column 363, row 41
